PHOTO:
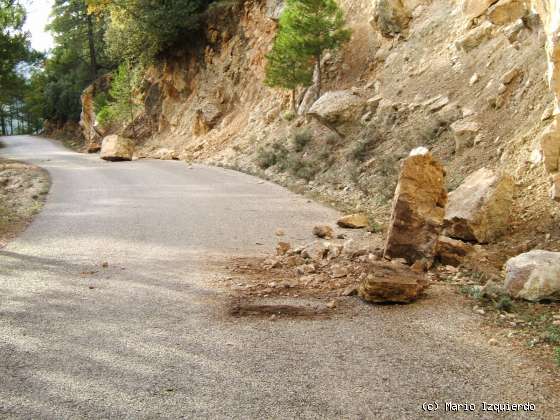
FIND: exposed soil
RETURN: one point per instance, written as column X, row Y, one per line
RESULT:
column 23, row 189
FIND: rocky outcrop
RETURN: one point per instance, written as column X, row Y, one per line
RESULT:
column 87, row 121
column 117, row 148
column 390, row 282
column 354, row 221
column 338, row 107
column 475, row 8
column 390, row 17
column 206, row 117
column 507, row 11
column 534, row 276
column 91, row 132
column 475, row 37
column 418, row 209
column 480, row 209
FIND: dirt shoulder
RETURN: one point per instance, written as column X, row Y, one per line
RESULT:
column 23, row 190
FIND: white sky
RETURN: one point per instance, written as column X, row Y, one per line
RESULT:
column 38, row 12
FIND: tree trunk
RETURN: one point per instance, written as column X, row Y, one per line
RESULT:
column 318, row 64
column 92, row 51
column 294, row 109
column 2, row 121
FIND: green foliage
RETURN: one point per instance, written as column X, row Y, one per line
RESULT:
column 504, row 303
column 307, row 28
column 303, row 168
column 120, row 104
column 301, row 139
column 139, row 30
column 289, row 116
column 77, row 59
column 553, row 334
column 557, row 356
column 274, row 154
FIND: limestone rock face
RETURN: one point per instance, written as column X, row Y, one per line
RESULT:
column 475, row 8
column 87, row 121
column 338, row 107
column 274, row 9
column 117, row 148
column 550, row 147
column 418, row 209
column 390, row 17
column 507, row 11
column 206, row 118
column 534, row 276
column 475, row 37
column 479, row 210
column 354, row 221
column 389, row 282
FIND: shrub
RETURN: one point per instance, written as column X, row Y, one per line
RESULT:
column 301, row 139
column 504, row 303
column 304, row 169
column 275, row 154
column 289, row 116
column 557, row 356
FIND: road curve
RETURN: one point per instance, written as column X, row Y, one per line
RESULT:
column 150, row 341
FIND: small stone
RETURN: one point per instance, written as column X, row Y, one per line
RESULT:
column 354, row 221
column 323, row 231
column 493, row 342
column 282, row 248
column 350, row 291
column 474, row 79
column 105, row 265
column 331, row 304
column 279, row 232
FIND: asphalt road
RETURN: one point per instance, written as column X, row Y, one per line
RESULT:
column 153, row 340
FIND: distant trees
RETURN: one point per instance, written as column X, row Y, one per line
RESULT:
column 307, row 29
column 14, row 53
column 139, row 30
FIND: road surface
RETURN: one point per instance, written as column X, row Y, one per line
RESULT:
column 151, row 339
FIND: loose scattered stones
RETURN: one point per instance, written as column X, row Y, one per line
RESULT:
column 534, row 276
column 391, row 283
column 354, row 221
column 117, row 148
column 418, row 209
column 480, row 209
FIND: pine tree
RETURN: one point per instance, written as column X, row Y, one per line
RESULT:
column 307, row 29
column 122, row 107
column 286, row 68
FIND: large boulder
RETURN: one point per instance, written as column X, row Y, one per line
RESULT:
column 117, row 148
column 390, row 17
column 549, row 142
column 479, row 210
column 338, row 107
column 534, row 276
column 418, row 209
column 389, row 282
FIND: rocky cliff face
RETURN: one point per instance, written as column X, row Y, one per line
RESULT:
column 475, row 81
